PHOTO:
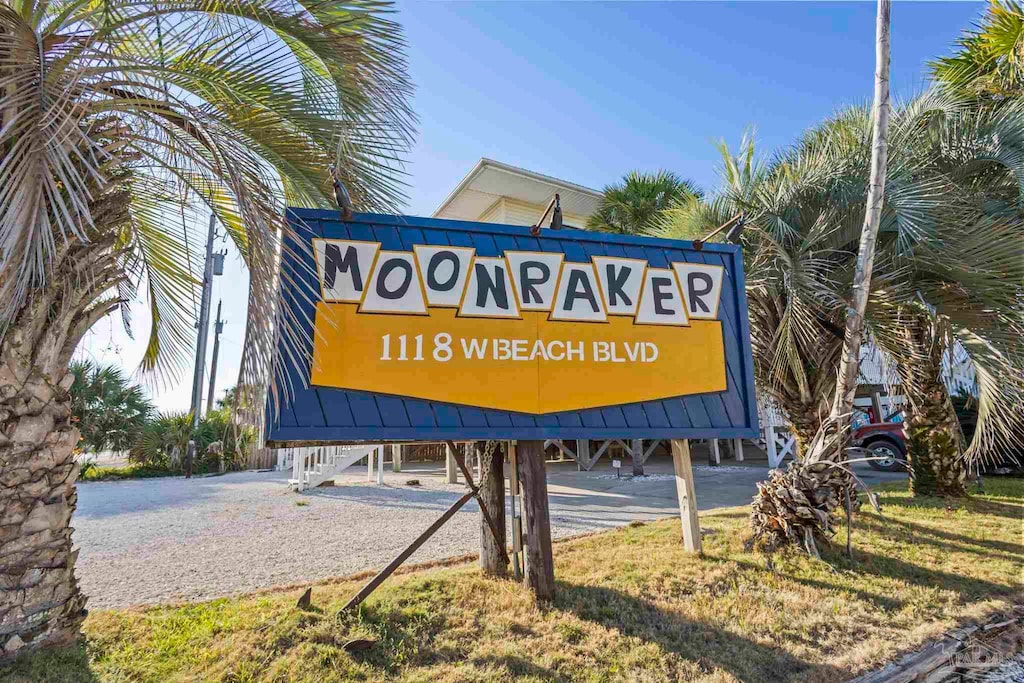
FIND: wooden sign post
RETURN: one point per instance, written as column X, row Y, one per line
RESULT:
column 540, row 563
column 493, row 561
column 685, row 493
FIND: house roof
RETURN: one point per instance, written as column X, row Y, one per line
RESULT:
column 490, row 180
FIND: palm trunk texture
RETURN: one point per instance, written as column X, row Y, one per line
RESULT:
column 40, row 601
column 934, row 439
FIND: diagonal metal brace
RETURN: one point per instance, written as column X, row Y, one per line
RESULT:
column 460, row 460
column 383, row 574
column 473, row 492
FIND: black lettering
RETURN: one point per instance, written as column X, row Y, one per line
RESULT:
column 495, row 286
column 696, row 294
column 335, row 263
column 657, row 283
column 385, row 270
column 435, row 262
column 529, row 284
column 616, row 283
column 578, row 279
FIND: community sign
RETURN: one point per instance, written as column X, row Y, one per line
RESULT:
column 424, row 329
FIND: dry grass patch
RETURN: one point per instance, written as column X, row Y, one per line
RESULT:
column 631, row 606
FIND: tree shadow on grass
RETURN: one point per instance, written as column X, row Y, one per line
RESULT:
column 865, row 562
column 968, row 588
column 886, row 602
column 973, row 504
column 707, row 645
column 520, row 667
column 919, row 533
column 64, row 665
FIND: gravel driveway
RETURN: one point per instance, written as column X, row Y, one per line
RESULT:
column 169, row 539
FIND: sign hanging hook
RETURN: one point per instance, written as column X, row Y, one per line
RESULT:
column 556, row 216
column 341, row 195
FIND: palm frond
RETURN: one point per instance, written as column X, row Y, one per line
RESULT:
column 190, row 107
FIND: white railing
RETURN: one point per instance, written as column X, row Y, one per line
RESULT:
column 285, row 457
column 313, row 465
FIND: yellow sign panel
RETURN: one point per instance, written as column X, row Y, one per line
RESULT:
column 529, row 363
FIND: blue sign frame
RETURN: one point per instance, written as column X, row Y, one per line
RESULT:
column 310, row 414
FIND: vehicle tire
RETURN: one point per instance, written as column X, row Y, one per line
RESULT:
column 893, row 458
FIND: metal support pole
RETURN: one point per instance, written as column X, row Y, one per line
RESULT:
column 515, row 500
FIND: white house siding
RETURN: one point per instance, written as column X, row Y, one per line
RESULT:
column 514, row 212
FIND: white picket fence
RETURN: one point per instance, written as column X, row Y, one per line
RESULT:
column 313, row 465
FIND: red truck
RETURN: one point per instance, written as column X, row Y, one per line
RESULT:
column 886, row 443
column 888, row 449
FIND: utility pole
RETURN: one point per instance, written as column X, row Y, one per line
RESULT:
column 203, row 328
column 218, row 327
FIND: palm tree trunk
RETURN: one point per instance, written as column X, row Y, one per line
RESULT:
column 850, row 360
column 933, row 449
column 798, row 506
column 804, row 420
column 934, row 439
column 40, row 602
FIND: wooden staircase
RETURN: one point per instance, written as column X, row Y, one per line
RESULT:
column 313, row 465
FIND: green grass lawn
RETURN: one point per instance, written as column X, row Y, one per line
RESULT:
column 631, row 606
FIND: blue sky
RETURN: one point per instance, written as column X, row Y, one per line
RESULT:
column 588, row 91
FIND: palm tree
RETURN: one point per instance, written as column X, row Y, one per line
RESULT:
column 795, row 268
column 990, row 61
column 164, row 440
column 951, row 260
column 123, row 126
column 948, row 244
column 632, row 207
column 815, row 483
column 962, row 290
column 110, row 410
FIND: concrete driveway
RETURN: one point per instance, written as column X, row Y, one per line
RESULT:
column 159, row 540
